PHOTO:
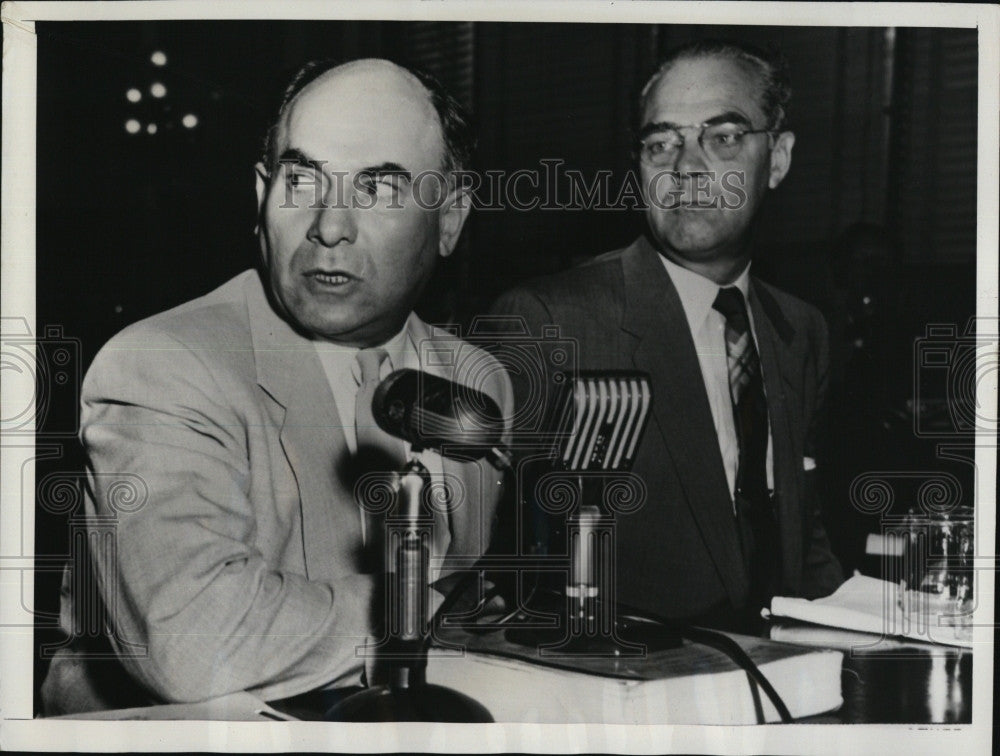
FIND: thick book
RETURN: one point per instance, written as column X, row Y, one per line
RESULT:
column 876, row 606
column 692, row 684
column 855, row 641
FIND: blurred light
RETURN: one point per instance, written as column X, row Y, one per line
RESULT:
column 151, row 129
column 157, row 89
column 159, row 58
column 132, row 126
column 190, row 121
column 133, row 95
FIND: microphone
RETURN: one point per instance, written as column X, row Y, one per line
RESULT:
column 431, row 412
column 599, row 421
column 603, row 416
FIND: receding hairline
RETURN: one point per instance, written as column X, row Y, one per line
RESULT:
column 370, row 64
column 374, row 64
column 696, row 55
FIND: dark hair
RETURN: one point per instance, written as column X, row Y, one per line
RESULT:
column 456, row 128
column 769, row 66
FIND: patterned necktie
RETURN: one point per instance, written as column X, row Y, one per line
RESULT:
column 754, row 511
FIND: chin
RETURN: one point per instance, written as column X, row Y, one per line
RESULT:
column 334, row 331
column 315, row 324
column 699, row 244
column 695, row 249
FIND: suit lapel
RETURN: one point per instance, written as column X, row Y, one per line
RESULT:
column 681, row 412
column 781, row 381
column 312, row 438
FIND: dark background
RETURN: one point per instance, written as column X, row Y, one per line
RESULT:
column 885, row 119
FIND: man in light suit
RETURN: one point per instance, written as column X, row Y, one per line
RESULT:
column 247, row 565
column 729, row 518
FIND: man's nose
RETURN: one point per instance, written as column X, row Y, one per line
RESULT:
column 335, row 222
column 690, row 157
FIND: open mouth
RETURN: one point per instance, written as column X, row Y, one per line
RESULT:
column 331, row 277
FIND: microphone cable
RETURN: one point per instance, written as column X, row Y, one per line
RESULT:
column 452, row 597
column 705, row 636
column 721, row 642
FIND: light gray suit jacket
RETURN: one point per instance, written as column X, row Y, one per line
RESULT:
column 242, row 568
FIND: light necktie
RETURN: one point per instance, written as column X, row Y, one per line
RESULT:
column 377, row 452
column 380, row 452
column 754, row 509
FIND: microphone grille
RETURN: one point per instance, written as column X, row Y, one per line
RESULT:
column 602, row 418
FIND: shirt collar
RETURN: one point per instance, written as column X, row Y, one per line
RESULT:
column 399, row 350
column 697, row 293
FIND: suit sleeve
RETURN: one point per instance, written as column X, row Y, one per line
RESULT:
column 520, row 315
column 822, row 573
column 185, row 580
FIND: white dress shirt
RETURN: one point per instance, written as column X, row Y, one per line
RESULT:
column 708, row 330
column 343, row 373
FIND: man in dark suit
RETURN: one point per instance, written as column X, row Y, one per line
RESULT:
column 738, row 368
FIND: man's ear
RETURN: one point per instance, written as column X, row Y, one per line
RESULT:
column 781, row 158
column 452, row 217
column 262, row 180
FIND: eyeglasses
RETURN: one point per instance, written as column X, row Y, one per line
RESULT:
column 722, row 142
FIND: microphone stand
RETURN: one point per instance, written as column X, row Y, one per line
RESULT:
column 591, row 627
column 407, row 697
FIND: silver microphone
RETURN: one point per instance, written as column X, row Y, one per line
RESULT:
column 602, row 418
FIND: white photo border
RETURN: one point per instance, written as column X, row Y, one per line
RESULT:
column 18, row 730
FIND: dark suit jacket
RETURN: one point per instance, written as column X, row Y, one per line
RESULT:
column 679, row 554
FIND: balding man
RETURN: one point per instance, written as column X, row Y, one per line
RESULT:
column 246, row 413
column 738, row 368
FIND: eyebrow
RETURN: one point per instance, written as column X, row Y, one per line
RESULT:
column 730, row 116
column 295, row 156
column 386, row 169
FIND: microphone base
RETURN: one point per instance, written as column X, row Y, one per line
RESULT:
column 422, row 703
